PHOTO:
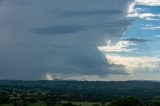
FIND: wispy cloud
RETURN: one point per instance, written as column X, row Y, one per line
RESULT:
column 137, row 40
column 151, row 27
column 143, row 13
column 145, row 16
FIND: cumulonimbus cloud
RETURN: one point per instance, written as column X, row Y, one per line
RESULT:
column 76, row 28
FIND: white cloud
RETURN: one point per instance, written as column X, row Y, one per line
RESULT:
column 121, row 46
column 131, row 7
column 151, row 27
column 135, row 64
column 145, row 16
column 148, row 2
column 142, row 13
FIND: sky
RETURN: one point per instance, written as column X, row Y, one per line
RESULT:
column 80, row 39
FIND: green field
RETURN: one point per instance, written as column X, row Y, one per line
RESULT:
column 6, row 105
column 60, row 104
column 37, row 104
column 84, row 103
column 29, row 104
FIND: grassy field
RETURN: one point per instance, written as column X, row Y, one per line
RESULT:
column 84, row 103
column 60, row 104
column 6, row 105
column 37, row 104
column 30, row 104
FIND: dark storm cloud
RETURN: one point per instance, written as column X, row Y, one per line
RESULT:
column 24, row 3
column 60, row 29
column 53, row 52
column 113, row 69
column 73, row 51
column 61, row 46
column 123, row 22
column 118, row 25
column 118, row 69
column 139, row 40
column 91, row 13
column 78, row 61
column 73, row 28
column 113, row 24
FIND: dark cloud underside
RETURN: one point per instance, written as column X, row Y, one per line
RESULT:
column 60, row 29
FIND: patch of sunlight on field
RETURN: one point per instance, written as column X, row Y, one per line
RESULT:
column 83, row 103
column 86, row 103
column 37, row 104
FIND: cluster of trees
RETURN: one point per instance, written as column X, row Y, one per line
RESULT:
column 52, row 101
column 127, row 101
column 52, row 92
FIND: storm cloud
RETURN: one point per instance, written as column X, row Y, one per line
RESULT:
column 61, row 29
column 76, row 28
column 91, row 13
column 138, row 40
